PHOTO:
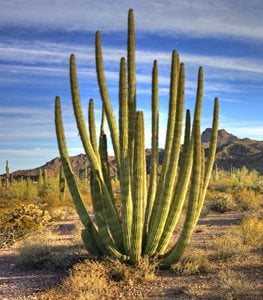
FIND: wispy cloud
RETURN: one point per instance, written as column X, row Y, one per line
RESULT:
column 200, row 18
column 26, row 152
column 47, row 54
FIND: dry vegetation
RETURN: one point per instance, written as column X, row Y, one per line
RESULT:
column 224, row 260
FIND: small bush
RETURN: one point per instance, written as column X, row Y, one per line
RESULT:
column 193, row 262
column 229, row 245
column 252, row 231
column 221, row 202
column 46, row 252
column 247, row 200
column 20, row 222
column 105, row 279
column 230, row 286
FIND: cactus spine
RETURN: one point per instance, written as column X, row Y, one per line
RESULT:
column 148, row 216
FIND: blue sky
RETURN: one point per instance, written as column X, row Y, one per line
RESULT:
column 37, row 38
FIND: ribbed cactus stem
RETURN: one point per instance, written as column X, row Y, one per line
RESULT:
column 176, row 252
column 125, row 182
column 106, row 100
column 138, row 190
column 62, row 183
column 155, row 150
column 211, row 156
column 78, row 202
column 180, row 190
column 164, row 195
column 131, row 85
column 92, row 127
column 112, row 216
column 171, row 117
column 97, row 243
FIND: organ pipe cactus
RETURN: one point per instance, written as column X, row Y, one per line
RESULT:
column 149, row 210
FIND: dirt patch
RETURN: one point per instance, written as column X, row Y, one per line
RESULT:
column 26, row 284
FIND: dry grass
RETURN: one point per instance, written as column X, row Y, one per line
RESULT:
column 229, row 245
column 247, row 200
column 251, row 229
column 45, row 252
column 230, row 286
column 195, row 261
column 104, row 279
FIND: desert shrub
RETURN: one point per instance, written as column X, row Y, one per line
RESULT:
column 21, row 221
column 110, row 279
column 247, row 200
column 20, row 190
column 229, row 245
column 230, row 286
column 251, row 229
column 237, row 179
column 220, row 202
column 193, row 262
column 47, row 252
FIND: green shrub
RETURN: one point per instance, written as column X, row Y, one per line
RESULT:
column 194, row 262
column 221, row 202
column 252, row 231
column 247, row 200
column 21, row 221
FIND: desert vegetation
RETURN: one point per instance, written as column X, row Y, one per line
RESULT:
column 137, row 235
column 223, row 260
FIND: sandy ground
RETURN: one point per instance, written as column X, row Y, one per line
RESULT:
column 25, row 284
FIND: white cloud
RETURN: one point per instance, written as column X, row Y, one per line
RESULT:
column 29, row 152
column 54, row 59
column 240, row 18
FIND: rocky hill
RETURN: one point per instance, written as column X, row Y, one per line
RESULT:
column 231, row 152
column 223, row 137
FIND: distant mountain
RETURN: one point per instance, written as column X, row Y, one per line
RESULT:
column 223, row 137
column 231, row 152
column 235, row 152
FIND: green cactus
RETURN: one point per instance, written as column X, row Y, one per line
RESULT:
column 149, row 211
column 62, row 183
column 6, row 175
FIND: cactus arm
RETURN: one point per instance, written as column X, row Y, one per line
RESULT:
column 106, row 101
column 92, row 239
column 138, row 190
column 78, row 202
column 180, row 189
column 164, row 194
column 112, row 216
column 105, row 163
column 95, row 186
column 154, row 152
column 126, row 198
column 211, row 156
column 79, row 115
column 171, row 117
column 131, row 85
column 177, row 250
column 92, row 127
